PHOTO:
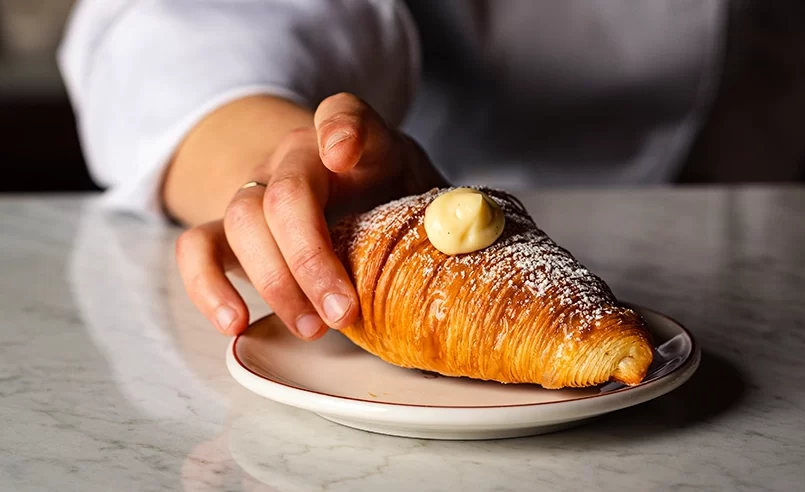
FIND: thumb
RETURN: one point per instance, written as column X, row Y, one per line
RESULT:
column 350, row 131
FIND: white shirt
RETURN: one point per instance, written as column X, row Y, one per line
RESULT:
column 504, row 93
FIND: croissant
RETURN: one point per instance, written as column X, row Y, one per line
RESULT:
column 521, row 310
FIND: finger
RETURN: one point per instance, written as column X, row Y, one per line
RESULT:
column 349, row 132
column 203, row 257
column 251, row 241
column 294, row 208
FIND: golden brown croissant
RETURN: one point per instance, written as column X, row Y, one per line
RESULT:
column 522, row 310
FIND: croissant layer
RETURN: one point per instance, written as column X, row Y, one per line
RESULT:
column 523, row 310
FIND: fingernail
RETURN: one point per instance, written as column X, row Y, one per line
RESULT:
column 335, row 306
column 225, row 315
column 308, row 325
column 335, row 139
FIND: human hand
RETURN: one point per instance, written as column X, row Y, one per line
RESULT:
column 277, row 234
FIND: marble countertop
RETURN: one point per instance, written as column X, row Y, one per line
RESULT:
column 109, row 380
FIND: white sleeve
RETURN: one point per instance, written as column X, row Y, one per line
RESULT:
column 142, row 73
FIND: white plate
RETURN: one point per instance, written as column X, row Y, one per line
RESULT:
column 342, row 383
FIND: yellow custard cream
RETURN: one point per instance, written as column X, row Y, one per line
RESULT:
column 463, row 220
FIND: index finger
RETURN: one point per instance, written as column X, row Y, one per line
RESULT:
column 294, row 208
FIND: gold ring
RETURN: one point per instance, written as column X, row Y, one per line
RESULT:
column 252, row 184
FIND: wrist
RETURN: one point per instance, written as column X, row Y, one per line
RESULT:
column 225, row 150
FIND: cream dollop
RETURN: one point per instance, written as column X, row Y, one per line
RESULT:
column 463, row 220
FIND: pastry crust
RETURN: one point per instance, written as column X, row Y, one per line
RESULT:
column 522, row 310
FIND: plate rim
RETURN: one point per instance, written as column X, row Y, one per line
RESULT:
column 320, row 402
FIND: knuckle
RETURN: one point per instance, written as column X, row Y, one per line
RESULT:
column 190, row 239
column 274, row 284
column 195, row 284
column 308, row 263
column 238, row 213
column 285, row 190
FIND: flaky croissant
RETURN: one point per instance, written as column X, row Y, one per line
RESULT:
column 522, row 310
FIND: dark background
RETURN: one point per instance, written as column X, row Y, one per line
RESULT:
column 39, row 149
column 756, row 132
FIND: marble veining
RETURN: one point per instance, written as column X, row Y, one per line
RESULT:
column 109, row 380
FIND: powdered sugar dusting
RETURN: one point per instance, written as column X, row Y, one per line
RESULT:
column 391, row 216
column 545, row 268
column 524, row 259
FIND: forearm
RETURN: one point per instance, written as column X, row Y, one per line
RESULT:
column 223, row 152
column 140, row 84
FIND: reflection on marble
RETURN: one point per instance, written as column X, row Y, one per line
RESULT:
column 109, row 380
